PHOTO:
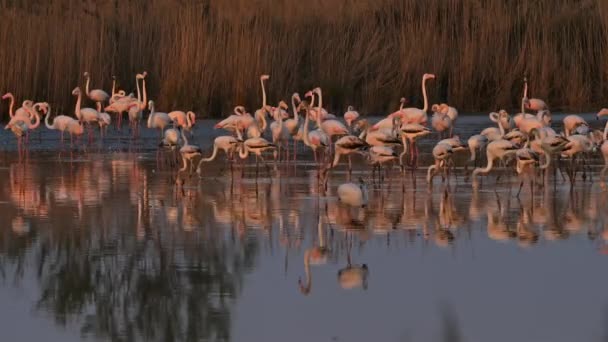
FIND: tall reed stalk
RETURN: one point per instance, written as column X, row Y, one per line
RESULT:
column 207, row 55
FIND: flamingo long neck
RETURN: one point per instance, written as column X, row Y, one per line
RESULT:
column 11, row 106
column 213, row 155
column 36, row 121
column 263, row 94
column 144, row 102
column 523, row 99
column 151, row 116
column 46, row 119
column 401, row 106
column 336, row 159
column 138, row 90
column 473, row 150
column 424, row 95
column 305, row 134
column 295, row 111
column 548, row 158
column 114, row 87
column 485, row 169
column 87, row 85
column 243, row 152
column 77, row 109
column 190, row 118
column 319, row 108
column 605, row 136
column 262, row 117
column 184, row 138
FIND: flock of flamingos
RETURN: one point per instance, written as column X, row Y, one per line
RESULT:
column 524, row 140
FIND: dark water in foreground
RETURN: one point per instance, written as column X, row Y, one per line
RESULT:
column 103, row 245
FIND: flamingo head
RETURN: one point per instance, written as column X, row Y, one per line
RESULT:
column 7, row 95
column 192, row 117
column 317, row 90
column 283, row 105
column 151, row 104
column 601, row 113
column 114, row 77
column 27, row 103
column 264, row 77
column 403, row 100
column 435, row 108
column 296, row 97
column 140, row 76
column 308, row 94
column 428, row 76
column 76, row 91
column 350, row 109
column 86, row 74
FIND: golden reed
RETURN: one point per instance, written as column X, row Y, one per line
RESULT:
column 207, row 55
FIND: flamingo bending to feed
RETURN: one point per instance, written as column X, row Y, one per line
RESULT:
column 347, row 145
column 379, row 155
column 476, row 143
column 409, row 134
column 226, row 143
column 497, row 149
column 526, row 159
column 442, row 152
column 442, row 123
column 185, row 120
column 96, row 95
column 21, row 125
column 188, row 152
column 354, row 195
column 256, row 146
column 379, row 137
column 156, row 119
column 571, row 122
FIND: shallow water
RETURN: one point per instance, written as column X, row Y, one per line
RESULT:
column 106, row 244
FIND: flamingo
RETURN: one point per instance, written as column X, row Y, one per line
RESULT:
column 75, row 128
column 526, row 159
column 476, row 143
column 347, row 145
column 115, row 94
column 354, row 195
column 260, row 114
column 22, row 111
column 353, row 276
column 442, row 152
column 390, row 121
column 293, row 125
column 20, row 126
column 135, row 115
column 379, row 155
column 280, row 134
column 411, row 132
column 97, row 95
column 88, row 115
column 416, row 115
column 314, row 111
column 315, row 139
column 60, row 123
column 25, row 114
column 331, row 127
column 497, row 149
column 571, row 122
column 185, row 120
column 577, row 146
column 225, row 143
column 256, row 146
column 350, row 116
column 379, row 137
column 441, row 123
column 532, row 103
column 156, row 119
column 188, row 152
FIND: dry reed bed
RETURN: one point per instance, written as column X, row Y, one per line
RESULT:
column 208, row 54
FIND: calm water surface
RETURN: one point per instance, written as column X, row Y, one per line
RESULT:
column 107, row 245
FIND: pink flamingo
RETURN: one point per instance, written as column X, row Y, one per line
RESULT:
column 88, row 115
column 60, row 122
column 22, row 111
column 293, row 125
column 416, row 115
column 497, row 149
column 571, row 122
column 185, row 120
column 189, row 153
column 409, row 134
column 97, row 95
column 315, row 139
column 347, row 145
column 350, row 116
column 156, row 119
column 226, row 143
column 331, row 127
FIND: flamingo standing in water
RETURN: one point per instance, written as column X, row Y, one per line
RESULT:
column 350, row 116
column 331, row 127
column 442, row 152
column 60, row 123
column 409, row 134
column 497, row 149
column 226, row 143
column 188, row 152
column 22, row 111
column 347, row 145
column 88, row 115
column 256, row 146
column 315, row 139
column 21, row 125
column 416, row 115
column 156, row 119
column 293, row 125
column 185, row 120
column 97, row 95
